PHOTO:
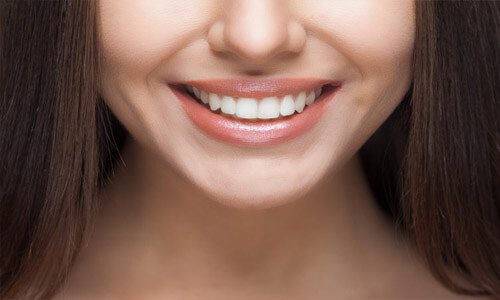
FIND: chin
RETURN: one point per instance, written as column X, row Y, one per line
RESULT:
column 247, row 197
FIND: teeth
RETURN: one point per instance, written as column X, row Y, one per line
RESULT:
column 287, row 106
column 228, row 105
column 300, row 102
column 214, row 101
column 269, row 108
column 310, row 98
column 204, row 97
column 251, row 108
column 246, row 108
column 317, row 91
column 196, row 91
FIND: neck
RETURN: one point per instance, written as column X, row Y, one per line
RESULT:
column 329, row 228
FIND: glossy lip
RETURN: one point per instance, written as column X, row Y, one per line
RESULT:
column 261, row 133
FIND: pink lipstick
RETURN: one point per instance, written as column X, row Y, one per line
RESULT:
column 255, row 132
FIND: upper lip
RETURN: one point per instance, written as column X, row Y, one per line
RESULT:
column 258, row 88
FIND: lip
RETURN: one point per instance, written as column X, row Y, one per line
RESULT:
column 248, row 133
column 258, row 88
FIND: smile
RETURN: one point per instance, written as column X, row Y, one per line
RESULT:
column 252, row 108
column 255, row 112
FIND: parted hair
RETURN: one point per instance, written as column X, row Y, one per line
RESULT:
column 433, row 165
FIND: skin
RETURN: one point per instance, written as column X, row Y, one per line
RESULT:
column 188, row 217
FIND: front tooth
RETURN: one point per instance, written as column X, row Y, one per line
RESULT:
column 214, row 101
column 204, row 96
column 269, row 108
column 246, row 108
column 287, row 106
column 228, row 105
column 190, row 88
column 300, row 102
column 310, row 98
column 196, row 91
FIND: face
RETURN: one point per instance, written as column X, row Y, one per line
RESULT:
column 364, row 44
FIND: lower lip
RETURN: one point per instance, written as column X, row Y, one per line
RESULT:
column 259, row 133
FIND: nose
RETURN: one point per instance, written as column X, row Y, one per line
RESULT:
column 256, row 31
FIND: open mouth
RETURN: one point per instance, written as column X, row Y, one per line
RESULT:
column 258, row 109
column 264, row 121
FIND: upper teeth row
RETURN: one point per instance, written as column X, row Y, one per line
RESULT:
column 251, row 108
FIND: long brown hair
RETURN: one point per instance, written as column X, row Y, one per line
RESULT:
column 433, row 165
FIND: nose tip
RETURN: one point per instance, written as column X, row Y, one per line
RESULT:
column 256, row 31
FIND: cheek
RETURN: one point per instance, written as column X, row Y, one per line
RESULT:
column 377, row 40
column 137, row 35
column 376, row 36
